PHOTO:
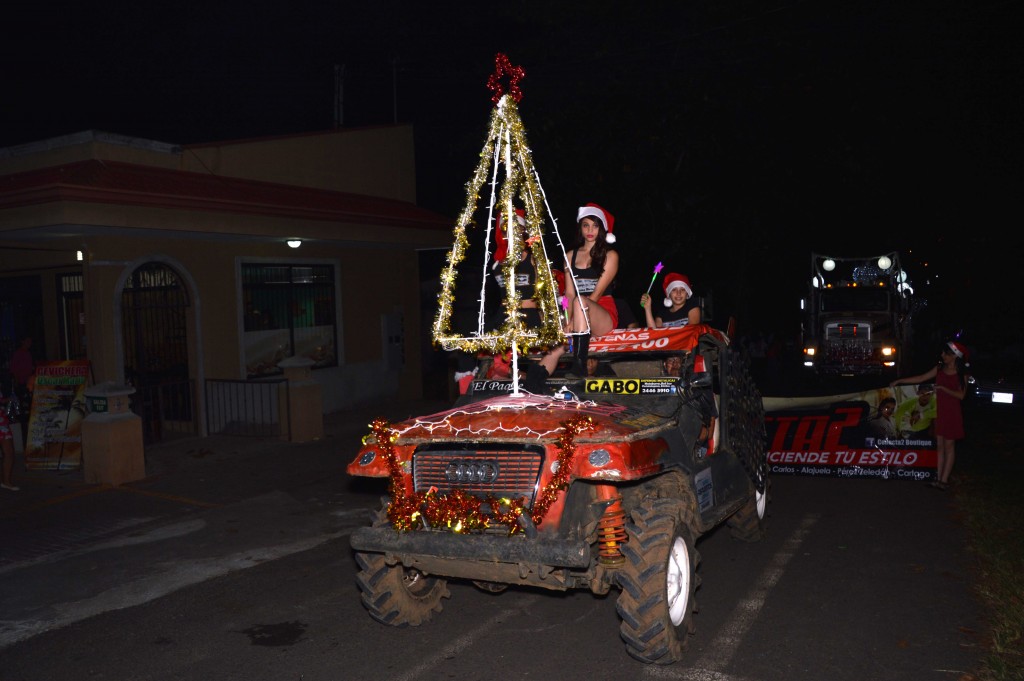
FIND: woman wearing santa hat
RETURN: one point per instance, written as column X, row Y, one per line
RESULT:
column 683, row 309
column 590, row 270
column 950, row 389
column 524, row 270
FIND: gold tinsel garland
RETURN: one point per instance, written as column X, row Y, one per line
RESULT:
column 505, row 134
column 459, row 511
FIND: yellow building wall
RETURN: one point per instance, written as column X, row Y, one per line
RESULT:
column 377, row 267
column 373, row 282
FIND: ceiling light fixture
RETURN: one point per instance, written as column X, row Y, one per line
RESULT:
column 294, row 243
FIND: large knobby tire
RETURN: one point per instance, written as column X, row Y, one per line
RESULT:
column 748, row 523
column 396, row 595
column 658, row 582
column 744, row 415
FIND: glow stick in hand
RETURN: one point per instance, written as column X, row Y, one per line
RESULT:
column 657, row 268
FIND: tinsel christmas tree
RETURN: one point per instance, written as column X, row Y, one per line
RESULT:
column 506, row 163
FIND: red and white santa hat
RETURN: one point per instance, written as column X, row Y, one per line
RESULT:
column 595, row 211
column 959, row 349
column 674, row 281
column 501, row 251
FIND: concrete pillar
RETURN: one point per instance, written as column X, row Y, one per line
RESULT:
column 112, row 449
column 300, row 402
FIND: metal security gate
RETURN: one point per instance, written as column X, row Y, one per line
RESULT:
column 71, row 319
column 154, row 311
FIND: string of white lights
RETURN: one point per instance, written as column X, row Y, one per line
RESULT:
column 441, row 423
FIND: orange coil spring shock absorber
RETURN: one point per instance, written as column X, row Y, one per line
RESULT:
column 611, row 531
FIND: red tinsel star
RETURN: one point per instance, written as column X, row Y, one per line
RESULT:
column 502, row 66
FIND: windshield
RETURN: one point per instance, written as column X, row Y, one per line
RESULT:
column 862, row 299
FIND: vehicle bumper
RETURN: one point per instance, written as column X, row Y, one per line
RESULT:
column 487, row 548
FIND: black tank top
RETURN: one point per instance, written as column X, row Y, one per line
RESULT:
column 587, row 277
column 526, row 275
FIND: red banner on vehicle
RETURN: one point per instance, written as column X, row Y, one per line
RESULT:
column 849, row 436
column 678, row 338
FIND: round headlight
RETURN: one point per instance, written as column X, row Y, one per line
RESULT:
column 599, row 457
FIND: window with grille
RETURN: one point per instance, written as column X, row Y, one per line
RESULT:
column 289, row 312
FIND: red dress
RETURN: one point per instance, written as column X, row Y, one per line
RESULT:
column 949, row 419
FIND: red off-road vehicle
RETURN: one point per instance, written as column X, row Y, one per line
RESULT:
column 592, row 483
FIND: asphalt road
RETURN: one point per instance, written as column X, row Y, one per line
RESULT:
column 238, row 567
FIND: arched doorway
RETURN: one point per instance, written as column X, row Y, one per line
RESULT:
column 154, row 325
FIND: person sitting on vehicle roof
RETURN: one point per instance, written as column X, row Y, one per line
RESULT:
column 591, row 267
column 683, row 309
column 525, row 271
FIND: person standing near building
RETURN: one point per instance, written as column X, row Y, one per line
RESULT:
column 23, row 368
column 950, row 390
column 7, row 451
column 23, row 365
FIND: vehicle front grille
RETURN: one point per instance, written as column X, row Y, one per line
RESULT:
column 501, row 472
column 847, row 351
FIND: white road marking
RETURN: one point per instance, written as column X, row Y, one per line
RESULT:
column 168, row 578
column 429, row 667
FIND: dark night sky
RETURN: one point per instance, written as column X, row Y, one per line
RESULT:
column 731, row 139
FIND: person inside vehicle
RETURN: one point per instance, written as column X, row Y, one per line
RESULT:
column 673, row 365
column 683, row 308
column 597, row 368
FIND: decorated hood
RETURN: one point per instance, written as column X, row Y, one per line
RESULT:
column 527, row 417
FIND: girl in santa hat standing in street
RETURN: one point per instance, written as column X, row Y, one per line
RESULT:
column 950, row 390
column 683, row 309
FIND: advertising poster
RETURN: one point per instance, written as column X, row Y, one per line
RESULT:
column 885, row 433
column 55, row 422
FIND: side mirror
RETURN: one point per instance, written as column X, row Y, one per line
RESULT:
column 701, row 380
